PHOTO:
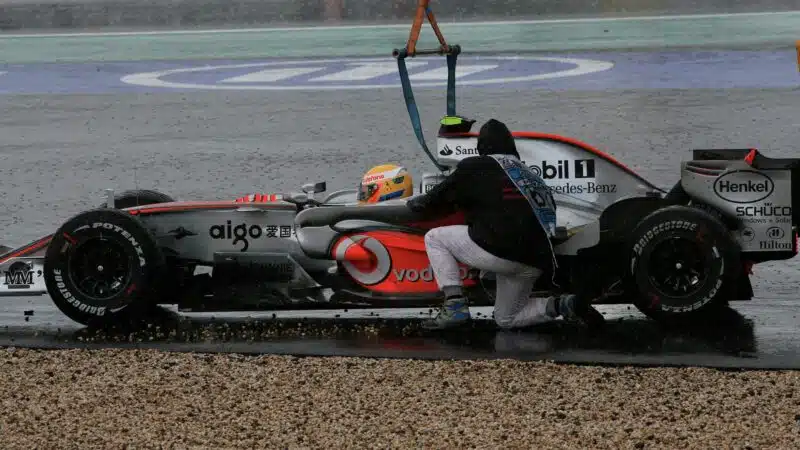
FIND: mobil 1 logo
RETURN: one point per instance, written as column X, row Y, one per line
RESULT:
column 564, row 169
column 572, row 177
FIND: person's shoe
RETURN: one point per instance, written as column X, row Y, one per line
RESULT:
column 453, row 313
column 573, row 308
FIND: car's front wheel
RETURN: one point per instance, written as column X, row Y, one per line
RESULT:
column 102, row 267
column 682, row 262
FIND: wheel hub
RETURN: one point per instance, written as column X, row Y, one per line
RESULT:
column 99, row 269
column 678, row 267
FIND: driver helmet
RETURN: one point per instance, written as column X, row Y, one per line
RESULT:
column 385, row 182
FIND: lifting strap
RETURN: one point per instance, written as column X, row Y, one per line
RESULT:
column 411, row 51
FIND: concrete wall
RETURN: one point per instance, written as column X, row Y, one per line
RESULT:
column 76, row 14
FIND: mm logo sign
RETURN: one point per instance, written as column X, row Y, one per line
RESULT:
column 18, row 276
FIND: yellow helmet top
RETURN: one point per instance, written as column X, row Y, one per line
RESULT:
column 385, row 182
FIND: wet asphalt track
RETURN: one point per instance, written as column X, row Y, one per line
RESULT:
column 60, row 151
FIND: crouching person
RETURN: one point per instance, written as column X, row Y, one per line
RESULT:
column 510, row 214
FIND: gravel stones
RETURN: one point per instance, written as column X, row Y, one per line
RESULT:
column 143, row 398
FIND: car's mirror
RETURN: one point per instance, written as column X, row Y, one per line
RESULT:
column 315, row 188
column 296, row 197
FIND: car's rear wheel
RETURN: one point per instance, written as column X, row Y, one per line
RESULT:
column 102, row 267
column 682, row 262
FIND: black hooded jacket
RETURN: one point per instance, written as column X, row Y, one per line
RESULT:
column 500, row 219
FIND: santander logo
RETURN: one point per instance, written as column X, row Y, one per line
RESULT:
column 459, row 150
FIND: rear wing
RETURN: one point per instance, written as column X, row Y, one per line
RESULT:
column 410, row 50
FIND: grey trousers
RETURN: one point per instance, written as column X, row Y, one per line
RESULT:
column 514, row 307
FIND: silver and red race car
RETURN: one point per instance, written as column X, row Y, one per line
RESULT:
column 677, row 255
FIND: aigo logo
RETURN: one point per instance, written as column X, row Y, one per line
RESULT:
column 743, row 186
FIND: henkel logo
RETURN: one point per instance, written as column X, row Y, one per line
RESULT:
column 743, row 186
column 564, row 169
column 459, row 151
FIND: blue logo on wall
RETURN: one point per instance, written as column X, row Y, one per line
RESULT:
column 364, row 73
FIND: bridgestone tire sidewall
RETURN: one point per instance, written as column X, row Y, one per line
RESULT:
column 692, row 224
column 145, row 262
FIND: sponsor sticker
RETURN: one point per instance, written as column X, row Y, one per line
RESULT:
column 564, row 169
column 574, row 177
column 766, row 213
column 774, row 245
column 243, row 233
column 278, row 271
column 458, row 150
column 19, row 276
column 588, row 188
column 743, row 186
column 775, row 233
column 426, row 274
column 383, row 261
column 370, row 178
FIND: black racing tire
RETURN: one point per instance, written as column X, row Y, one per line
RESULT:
column 682, row 261
column 139, row 197
column 102, row 268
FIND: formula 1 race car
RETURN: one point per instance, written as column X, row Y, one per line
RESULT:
column 676, row 255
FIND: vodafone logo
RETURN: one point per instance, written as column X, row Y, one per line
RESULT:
column 372, row 271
